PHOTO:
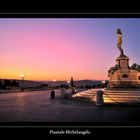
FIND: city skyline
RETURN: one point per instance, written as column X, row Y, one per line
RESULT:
column 49, row 48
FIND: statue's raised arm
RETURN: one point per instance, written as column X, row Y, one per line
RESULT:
column 119, row 42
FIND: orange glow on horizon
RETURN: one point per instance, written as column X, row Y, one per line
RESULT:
column 45, row 77
column 34, row 74
column 58, row 74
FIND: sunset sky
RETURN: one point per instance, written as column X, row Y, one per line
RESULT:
column 58, row 48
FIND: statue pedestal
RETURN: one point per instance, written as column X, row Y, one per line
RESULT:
column 123, row 62
column 123, row 76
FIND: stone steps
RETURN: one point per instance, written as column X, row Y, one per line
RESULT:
column 121, row 97
column 112, row 96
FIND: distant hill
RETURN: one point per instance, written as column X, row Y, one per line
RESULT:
column 28, row 83
column 87, row 82
column 76, row 83
column 58, row 83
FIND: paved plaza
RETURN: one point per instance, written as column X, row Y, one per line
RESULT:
column 37, row 106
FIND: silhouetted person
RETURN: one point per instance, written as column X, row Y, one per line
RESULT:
column 52, row 94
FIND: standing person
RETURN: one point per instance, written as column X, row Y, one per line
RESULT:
column 52, row 94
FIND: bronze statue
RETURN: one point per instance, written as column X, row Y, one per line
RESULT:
column 119, row 42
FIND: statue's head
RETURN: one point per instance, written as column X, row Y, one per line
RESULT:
column 119, row 31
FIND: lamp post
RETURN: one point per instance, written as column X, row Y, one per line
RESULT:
column 103, row 83
column 22, row 76
column 68, row 83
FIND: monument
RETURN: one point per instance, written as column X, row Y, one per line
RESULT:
column 122, row 75
column 124, row 82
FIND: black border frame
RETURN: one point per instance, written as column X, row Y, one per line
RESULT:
column 98, row 128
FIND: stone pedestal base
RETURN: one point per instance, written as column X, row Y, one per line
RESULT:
column 124, row 76
column 128, row 78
